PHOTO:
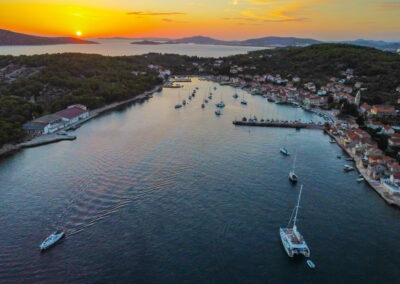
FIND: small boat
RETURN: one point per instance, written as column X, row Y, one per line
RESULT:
column 332, row 141
column 190, row 97
column 178, row 106
column 215, row 88
column 360, row 179
column 284, row 151
column 244, row 119
column 349, row 159
column 52, row 240
column 220, row 104
column 75, row 127
column 203, row 105
column 243, row 102
column 348, row 168
column 206, row 101
column 218, row 112
column 310, row 263
column 292, row 241
column 184, row 102
column 338, row 156
column 235, row 96
column 210, row 97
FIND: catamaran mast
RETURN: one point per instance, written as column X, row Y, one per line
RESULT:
column 297, row 207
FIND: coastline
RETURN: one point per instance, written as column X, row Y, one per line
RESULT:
column 9, row 149
column 375, row 185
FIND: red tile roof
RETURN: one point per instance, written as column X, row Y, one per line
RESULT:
column 71, row 113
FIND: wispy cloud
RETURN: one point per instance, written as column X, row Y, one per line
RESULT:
column 386, row 6
column 141, row 13
column 173, row 21
column 283, row 14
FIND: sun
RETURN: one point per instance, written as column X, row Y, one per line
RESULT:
column 78, row 33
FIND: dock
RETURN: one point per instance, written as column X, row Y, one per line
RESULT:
column 282, row 124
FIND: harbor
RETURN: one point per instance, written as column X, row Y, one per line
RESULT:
column 160, row 189
column 282, row 124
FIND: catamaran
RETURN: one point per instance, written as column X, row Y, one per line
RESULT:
column 292, row 241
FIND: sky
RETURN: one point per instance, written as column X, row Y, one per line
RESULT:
column 222, row 19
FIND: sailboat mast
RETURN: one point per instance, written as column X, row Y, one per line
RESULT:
column 297, row 207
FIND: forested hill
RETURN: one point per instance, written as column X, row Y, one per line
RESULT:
column 13, row 38
column 379, row 71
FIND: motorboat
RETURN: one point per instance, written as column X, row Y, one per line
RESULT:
column 310, row 263
column 203, row 105
column 360, row 179
column 235, row 96
column 292, row 177
column 348, row 168
column 178, row 106
column 51, row 240
column 284, row 151
column 218, row 112
column 293, row 242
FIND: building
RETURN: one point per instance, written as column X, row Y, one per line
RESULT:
column 382, row 111
column 43, row 125
column 73, row 114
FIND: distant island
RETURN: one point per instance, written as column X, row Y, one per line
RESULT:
column 147, row 42
column 13, row 38
column 270, row 41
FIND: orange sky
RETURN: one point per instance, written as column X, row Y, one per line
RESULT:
column 225, row 19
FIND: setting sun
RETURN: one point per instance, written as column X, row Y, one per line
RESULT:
column 78, row 33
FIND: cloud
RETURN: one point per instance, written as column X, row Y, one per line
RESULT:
column 173, row 21
column 386, row 6
column 284, row 14
column 141, row 13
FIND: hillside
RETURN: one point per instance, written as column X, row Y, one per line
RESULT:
column 12, row 38
column 379, row 71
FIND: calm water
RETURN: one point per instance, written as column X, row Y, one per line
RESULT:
column 116, row 47
column 157, row 195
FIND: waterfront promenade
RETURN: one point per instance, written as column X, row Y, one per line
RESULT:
column 374, row 184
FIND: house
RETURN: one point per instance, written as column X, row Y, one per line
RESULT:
column 387, row 130
column 375, row 125
column 394, row 141
column 376, row 170
column 73, row 114
column 43, row 125
column 382, row 111
column 392, row 165
column 364, row 108
column 392, row 184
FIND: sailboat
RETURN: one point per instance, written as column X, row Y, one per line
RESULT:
column 221, row 104
column 285, row 151
column 243, row 102
column 292, row 241
column 235, row 95
column 292, row 176
column 178, row 105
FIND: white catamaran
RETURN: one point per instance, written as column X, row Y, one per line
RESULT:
column 292, row 241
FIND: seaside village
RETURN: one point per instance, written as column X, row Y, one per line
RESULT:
column 374, row 146
column 377, row 161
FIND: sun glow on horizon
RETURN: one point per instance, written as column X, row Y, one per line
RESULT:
column 79, row 33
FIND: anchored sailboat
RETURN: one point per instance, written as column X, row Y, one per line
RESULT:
column 292, row 241
column 292, row 176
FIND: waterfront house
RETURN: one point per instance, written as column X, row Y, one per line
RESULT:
column 376, row 170
column 392, row 184
column 73, row 114
column 43, row 125
column 375, row 159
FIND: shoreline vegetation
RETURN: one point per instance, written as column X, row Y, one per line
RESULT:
column 55, row 137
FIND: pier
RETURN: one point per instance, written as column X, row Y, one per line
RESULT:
column 282, row 124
